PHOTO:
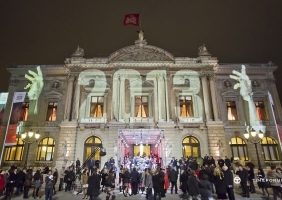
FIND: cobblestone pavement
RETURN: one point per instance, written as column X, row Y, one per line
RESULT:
column 67, row 195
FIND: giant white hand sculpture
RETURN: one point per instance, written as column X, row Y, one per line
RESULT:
column 36, row 85
column 246, row 92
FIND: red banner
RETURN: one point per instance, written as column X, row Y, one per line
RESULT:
column 131, row 19
column 11, row 133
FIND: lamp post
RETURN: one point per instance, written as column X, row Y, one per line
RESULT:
column 254, row 138
column 29, row 138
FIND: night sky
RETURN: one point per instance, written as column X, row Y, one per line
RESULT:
column 47, row 32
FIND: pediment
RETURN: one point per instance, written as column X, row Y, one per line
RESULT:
column 137, row 53
column 230, row 93
column 259, row 93
column 53, row 95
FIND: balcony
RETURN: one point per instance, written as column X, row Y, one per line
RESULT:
column 190, row 120
column 141, row 120
column 93, row 120
column 233, row 123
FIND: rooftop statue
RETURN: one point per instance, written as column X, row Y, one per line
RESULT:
column 35, row 87
column 203, row 50
column 79, row 52
column 245, row 86
column 141, row 35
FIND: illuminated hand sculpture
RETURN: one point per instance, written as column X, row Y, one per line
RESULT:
column 36, row 85
column 246, row 92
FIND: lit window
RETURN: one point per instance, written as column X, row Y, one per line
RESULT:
column 239, row 148
column 52, row 111
column 45, row 149
column 24, row 111
column 141, row 106
column 270, row 149
column 96, row 108
column 231, row 110
column 186, row 106
column 15, row 152
column 260, row 108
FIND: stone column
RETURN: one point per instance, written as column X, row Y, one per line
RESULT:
column 156, row 105
column 121, row 97
column 105, row 106
column 76, row 99
column 132, row 109
column 214, row 99
column 68, row 98
column 206, row 96
column 159, row 78
column 150, row 104
column 166, row 98
column 177, row 104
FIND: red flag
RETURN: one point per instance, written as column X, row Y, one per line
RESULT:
column 132, row 19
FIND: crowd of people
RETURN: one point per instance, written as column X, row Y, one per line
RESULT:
column 199, row 178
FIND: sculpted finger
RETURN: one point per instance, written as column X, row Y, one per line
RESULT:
column 29, row 77
column 237, row 85
column 234, row 77
column 237, row 73
column 32, row 73
column 39, row 71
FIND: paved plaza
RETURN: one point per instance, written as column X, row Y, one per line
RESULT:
column 67, row 195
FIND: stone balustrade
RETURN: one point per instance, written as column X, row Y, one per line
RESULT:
column 141, row 120
column 93, row 120
column 190, row 119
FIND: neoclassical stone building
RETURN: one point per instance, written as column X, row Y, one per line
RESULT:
column 142, row 95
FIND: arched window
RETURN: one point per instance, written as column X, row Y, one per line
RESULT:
column 89, row 146
column 45, row 149
column 270, row 148
column 191, row 147
column 15, row 152
column 239, row 148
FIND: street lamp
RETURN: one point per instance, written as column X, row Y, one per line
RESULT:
column 28, row 138
column 255, row 139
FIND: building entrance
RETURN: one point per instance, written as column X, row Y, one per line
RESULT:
column 90, row 144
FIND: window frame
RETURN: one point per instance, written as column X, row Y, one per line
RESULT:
column 98, row 103
column 264, row 109
column 142, row 104
column 267, row 145
column 244, row 145
column 39, row 149
column 192, row 144
column 184, row 103
column 235, row 106
column 22, row 111
column 9, row 148
column 54, row 102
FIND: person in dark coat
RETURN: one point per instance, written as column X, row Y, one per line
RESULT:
column 262, row 181
column 228, row 180
column 70, row 177
column 173, row 179
column 77, row 165
column 156, row 185
column 161, row 182
column 11, row 183
column 27, row 182
column 220, row 162
column 134, row 175
column 104, row 173
column 91, row 164
column 183, row 182
column 243, row 175
column 251, row 176
column 55, row 179
column 94, row 185
column 220, row 187
column 193, row 185
column 202, row 172
column 126, row 181
column 19, row 181
column 205, row 188
column 227, row 162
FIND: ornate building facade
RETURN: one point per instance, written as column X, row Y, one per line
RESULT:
column 142, row 95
